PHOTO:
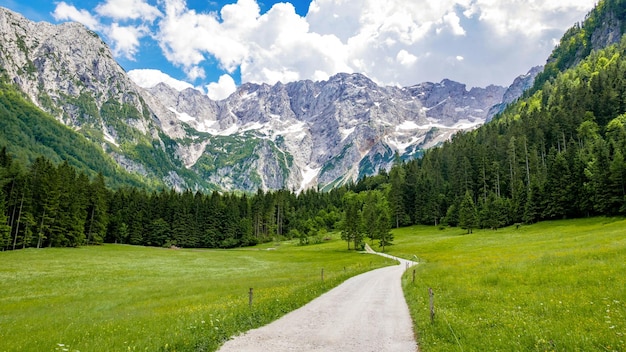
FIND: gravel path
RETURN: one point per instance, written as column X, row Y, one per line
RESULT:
column 365, row 313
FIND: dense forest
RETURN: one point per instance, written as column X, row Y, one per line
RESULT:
column 47, row 205
column 559, row 152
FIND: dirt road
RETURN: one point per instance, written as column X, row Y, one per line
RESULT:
column 365, row 313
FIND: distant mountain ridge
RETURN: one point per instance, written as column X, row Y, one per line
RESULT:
column 336, row 130
column 295, row 135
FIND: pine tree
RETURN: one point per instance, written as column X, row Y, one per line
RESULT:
column 351, row 224
column 5, row 229
column 45, row 186
column 383, row 225
column 396, row 194
column 468, row 216
column 557, row 194
column 97, row 211
column 370, row 214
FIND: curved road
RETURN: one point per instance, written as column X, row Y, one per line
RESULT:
column 365, row 313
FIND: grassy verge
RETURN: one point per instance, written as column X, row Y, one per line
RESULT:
column 553, row 286
column 124, row 298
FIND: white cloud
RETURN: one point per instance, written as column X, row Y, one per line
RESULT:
column 128, row 9
column 222, row 89
column 66, row 12
column 532, row 18
column 148, row 78
column 275, row 46
column 454, row 23
column 186, row 37
column 125, row 40
column 405, row 58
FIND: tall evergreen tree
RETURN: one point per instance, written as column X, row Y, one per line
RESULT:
column 396, row 194
column 351, row 224
column 97, row 213
column 383, row 225
column 5, row 229
column 468, row 215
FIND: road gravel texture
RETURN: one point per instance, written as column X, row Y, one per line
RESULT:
column 367, row 312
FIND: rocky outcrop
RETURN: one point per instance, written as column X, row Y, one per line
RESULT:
column 515, row 90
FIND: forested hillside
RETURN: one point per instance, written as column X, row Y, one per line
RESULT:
column 29, row 133
column 602, row 27
column 557, row 154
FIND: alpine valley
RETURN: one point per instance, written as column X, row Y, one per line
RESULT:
column 284, row 136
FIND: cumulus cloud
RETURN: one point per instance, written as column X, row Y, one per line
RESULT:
column 405, row 58
column 453, row 22
column 221, row 89
column 125, row 40
column 148, row 78
column 394, row 42
column 66, row 12
column 128, row 9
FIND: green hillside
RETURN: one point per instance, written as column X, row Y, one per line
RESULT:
column 580, row 40
column 29, row 133
column 558, row 153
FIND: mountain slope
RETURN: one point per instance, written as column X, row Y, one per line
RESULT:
column 29, row 133
column 330, row 132
column 603, row 26
column 67, row 71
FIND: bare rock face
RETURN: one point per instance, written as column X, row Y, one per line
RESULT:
column 69, row 72
column 337, row 130
column 295, row 135
column 515, row 90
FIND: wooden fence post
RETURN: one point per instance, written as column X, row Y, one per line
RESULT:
column 413, row 275
column 250, row 298
column 432, row 304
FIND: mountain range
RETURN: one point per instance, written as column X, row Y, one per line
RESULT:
column 284, row 136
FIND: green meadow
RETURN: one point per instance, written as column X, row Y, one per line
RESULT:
column 552, row 286
column 127, row 298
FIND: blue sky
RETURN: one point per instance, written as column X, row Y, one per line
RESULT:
column 216, row 45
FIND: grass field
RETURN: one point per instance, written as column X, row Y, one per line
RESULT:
column 124, row 298
column 553, row 286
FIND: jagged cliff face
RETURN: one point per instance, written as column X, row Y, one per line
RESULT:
column 293, row 136
column 56, row 64
column 332, row 131
column 515, row 90
column 69, row 72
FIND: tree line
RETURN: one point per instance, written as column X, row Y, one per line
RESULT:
column 47, row 205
